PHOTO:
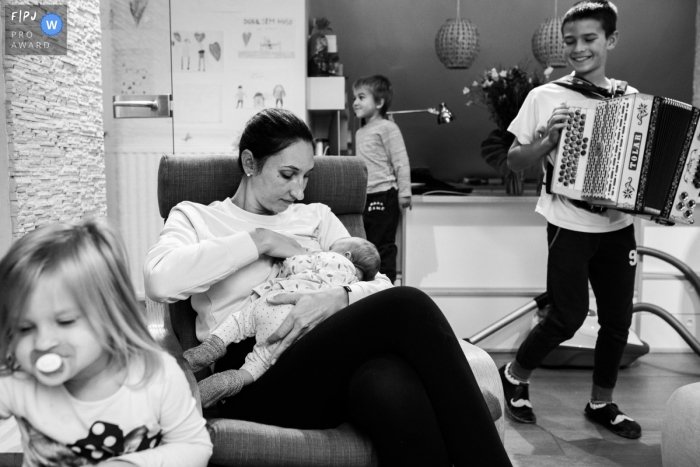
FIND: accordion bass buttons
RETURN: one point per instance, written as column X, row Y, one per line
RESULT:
column 688, row 214
column 683, row 196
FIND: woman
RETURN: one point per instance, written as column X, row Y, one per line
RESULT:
column 384, row 358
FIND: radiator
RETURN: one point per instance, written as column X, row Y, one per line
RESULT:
column 134, row 207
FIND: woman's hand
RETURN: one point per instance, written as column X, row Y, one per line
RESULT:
column 275, row 244
column 311, row 308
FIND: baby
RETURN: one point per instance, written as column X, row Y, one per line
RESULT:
column 348, row 260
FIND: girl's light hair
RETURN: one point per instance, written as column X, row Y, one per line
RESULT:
column 88, row 258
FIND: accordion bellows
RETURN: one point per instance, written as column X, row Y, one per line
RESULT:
column 636, row 153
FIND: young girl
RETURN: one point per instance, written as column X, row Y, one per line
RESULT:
column 78, row 368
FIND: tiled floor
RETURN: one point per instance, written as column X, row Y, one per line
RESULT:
column 564, row 437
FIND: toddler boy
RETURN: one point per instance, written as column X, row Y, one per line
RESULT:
column 380, row 144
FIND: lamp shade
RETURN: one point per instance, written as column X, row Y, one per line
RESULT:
column 444, row 114
column 457, row 43
column 548, row 44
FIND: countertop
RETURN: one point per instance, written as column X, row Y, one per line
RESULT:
column 480, row 194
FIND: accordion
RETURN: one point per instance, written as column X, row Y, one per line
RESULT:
column 636, row 153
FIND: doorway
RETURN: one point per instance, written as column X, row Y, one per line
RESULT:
column 221, row 61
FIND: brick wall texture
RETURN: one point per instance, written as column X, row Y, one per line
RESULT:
column 54, row 127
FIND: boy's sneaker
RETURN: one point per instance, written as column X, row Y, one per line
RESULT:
column 517, row 398
column 613, row 419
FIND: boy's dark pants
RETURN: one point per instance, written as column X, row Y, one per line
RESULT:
column 609, row 261
column 381, row 219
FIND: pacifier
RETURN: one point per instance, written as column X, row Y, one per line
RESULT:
column 48, row 363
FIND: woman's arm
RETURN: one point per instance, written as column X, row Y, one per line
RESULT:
column 181, row 264
column 312, row 307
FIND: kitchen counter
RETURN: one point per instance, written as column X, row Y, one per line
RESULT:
column 479, row 256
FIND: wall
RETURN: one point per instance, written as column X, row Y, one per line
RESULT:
column 136, row 59
column 696, row 80
column 5, row 218
column 53, row 115
column 396, row 38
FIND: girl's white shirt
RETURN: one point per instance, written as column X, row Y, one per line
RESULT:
column 161, row 413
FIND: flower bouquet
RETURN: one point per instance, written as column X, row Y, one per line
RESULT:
column 502, row 92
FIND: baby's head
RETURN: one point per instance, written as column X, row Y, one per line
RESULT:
column 67, row 295
column 362, row 253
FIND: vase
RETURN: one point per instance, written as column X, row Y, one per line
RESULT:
column 318, row 58
column 494, row 150
column 514, row 183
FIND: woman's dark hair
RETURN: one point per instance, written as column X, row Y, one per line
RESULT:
column 270, row 131
column 603, row 11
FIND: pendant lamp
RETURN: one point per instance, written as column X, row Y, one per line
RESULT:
column 548, row 43
column 457, row 42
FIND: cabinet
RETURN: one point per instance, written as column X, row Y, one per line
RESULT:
column 326, row 105
column 479, row 257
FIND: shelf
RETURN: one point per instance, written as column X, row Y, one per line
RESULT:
column 325, row 93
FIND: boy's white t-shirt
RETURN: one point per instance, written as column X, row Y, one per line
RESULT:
column 557, row 209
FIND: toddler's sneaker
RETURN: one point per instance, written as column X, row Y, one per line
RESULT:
column 612, row 418
column 517, row 398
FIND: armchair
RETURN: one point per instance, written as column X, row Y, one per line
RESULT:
column 339, row 182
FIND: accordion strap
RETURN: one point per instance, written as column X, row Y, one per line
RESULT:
column 590, row 90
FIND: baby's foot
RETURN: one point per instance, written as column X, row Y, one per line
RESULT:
column 220, row 386
column 206, row 353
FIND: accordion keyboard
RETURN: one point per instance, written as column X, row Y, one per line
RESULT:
column 607, row 153
column 574, row 146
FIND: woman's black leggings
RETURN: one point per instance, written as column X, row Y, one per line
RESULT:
column 391, row 364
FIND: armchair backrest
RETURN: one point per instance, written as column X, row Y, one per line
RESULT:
column 339, row 182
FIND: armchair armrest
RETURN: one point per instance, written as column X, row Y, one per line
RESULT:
column 160, row 327
column 486, row 374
